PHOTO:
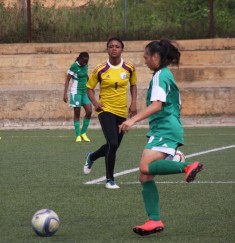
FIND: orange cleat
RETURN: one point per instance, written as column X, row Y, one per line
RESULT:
column 192, row 170
column 150, row 227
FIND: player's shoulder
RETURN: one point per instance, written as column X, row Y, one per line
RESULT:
column 99, row 67
column 74, row 66
column 130, row 65
column 165, row 72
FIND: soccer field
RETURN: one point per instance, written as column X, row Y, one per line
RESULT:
column 44, row 169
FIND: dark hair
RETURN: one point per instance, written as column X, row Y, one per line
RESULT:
column 115, row 39
column 168, row 52
column 83, row 55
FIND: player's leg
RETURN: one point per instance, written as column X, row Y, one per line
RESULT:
column 91, row 157
column 166, row 167
column 86, row 120
column 109, row 124
column 75, row 102
column 150, row 196
column 77, row 111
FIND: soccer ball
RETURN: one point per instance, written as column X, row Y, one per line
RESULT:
column 45, row 222
column 178, row 157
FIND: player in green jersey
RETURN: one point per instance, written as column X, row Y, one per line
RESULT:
column 78, row 95
column 165, row 131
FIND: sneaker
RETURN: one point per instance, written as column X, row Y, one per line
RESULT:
column 192, row 170
column 78, row 139
column 150, row 227
column 85, row 138
column 111, row 184
column 88, row 164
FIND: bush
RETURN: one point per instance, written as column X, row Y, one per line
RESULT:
column 143, row 20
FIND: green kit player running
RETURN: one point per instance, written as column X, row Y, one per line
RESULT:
column 78, row 95
column 165, row 131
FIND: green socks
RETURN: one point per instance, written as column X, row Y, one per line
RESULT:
column 151, row 200
column 77, row 128
column 85, row 125
column 167, row 167
column 149, row 188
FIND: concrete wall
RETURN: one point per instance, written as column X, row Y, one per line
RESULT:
column 32, row 78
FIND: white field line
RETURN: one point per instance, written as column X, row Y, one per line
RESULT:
column 177, row 182
column 103, row 178
column 134, row 135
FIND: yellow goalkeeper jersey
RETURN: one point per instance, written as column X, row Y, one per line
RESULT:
column 113, row 82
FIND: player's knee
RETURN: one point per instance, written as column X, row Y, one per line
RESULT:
column 77, row 112
column 88, row 114
column 113, row 146
column 143, row 178
column 144, row 169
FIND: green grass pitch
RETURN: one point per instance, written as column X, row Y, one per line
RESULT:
column 43, row 169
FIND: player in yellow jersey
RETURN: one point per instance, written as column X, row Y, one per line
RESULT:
column 114, row 77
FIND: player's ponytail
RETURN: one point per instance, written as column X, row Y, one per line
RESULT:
column 168, row 52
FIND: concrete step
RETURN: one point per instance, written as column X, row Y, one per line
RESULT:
column 130, row 46
column 27, row 77
column 190, row 74
column 56, row 77
column 46, row 105
column 206, row 101
column 214, row 73
column 63, row 61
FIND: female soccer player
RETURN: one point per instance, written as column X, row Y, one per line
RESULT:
column 113, row 77
column 78, row 95
column 165, row 131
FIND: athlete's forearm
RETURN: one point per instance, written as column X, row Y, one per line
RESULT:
column 91, row 95
column 133, row 90
column 148, row 111
column 133, row 106
column 66, row 84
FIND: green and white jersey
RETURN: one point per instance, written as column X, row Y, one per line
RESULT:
column 79, row 77
column 165, row 123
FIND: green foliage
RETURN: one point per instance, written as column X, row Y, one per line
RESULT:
column 143, row 20
column 224, row 20
column 12, row 27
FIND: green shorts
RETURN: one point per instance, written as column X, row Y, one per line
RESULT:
column 162, row 145
column 78, row 100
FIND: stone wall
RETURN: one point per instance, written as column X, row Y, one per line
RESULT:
column 32, row 79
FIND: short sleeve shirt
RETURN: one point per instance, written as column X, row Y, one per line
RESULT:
column 113, row 82
column 165, row 123
column 79, row 78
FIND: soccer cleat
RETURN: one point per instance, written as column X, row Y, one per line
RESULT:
column 78, row 139
column 111, row 184
column 88, row 164
column 192, row 170
column 150, row 227
column 85, row 138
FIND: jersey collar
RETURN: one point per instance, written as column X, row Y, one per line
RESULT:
column 78, row 63
column 116, row 66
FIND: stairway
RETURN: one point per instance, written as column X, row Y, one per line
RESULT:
column 32, row 79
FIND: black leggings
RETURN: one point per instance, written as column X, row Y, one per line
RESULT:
column 109, row 123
